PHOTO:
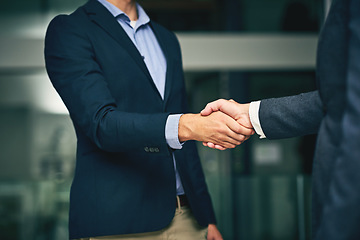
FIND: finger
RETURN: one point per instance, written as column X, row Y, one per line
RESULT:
column 211, row 145
column 220, row 147
column 230, row 108
column 232, row 142
column 208, row 144
column 215, row 146
column 247, row 133
column 245, row 122
column 238, row 129
column 226, row 143
column 243, row 130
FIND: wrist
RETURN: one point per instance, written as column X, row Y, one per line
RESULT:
column 185, row 127
column 247, row 109
column 244, row 109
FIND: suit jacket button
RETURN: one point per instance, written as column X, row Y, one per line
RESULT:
column 152, row 150
column 157, row 150
column 146, row 149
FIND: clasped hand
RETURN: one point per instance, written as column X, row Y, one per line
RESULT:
column 221, row 124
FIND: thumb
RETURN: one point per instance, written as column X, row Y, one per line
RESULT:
column 212, row 107
column 206, row 111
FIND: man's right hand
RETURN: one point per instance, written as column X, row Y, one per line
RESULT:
column 239, row 112
column 217, row 128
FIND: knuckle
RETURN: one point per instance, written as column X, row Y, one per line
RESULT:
column 238, row 129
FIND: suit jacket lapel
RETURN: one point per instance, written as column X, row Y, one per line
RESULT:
column 169, row 60
column 102, row 17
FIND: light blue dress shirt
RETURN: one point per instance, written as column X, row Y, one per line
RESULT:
column 145, row 41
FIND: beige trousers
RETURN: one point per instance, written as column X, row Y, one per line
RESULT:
column 183, row 227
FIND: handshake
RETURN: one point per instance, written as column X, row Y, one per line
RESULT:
column 221, row 124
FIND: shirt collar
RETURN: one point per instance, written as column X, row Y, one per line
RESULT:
column 143, row 18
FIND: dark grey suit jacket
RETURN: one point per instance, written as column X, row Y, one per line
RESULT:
column 334, row 113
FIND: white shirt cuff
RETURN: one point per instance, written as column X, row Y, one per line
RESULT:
column 254, row 118
column 172, row 131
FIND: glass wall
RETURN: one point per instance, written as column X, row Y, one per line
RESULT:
column 37, row 155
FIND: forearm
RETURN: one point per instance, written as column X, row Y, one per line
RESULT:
column 291, row 116
column 119, row 131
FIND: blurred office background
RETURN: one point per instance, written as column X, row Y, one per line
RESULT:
column 240, row 49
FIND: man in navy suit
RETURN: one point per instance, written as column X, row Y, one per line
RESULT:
column 137, row 175
column 333, row 112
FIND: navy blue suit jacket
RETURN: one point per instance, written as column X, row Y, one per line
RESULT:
column 334, row 113
column 124, row 179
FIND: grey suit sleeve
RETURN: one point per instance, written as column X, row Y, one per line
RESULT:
column 291, row 116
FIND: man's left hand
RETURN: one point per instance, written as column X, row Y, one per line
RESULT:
column 213, row 233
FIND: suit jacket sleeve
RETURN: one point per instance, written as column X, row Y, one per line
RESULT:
column 291, row 116
column 78, row 78
column 341, row 215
